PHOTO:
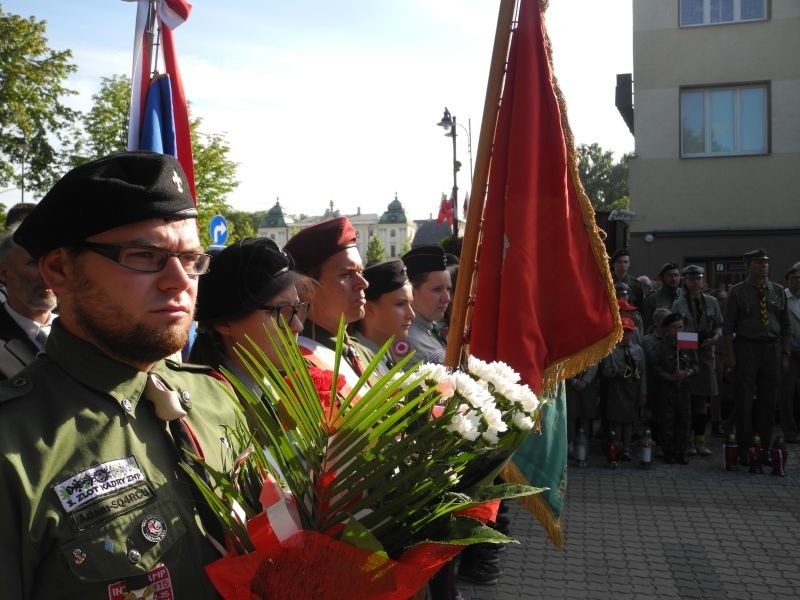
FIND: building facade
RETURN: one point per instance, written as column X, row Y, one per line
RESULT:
column 392, row 227
column 716, row 122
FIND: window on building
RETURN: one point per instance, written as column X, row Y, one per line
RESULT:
column 392, row 233
column 393, row 250
column 711, row 12
column 724, row 121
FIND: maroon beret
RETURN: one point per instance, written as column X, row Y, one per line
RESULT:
column 312, row 246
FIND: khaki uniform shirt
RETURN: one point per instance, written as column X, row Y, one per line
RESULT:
column 743, row 312
column 707, row 323
column 93, row 501
column 423, row 340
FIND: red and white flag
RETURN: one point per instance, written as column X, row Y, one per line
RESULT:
column 688, row 340
column 159, row 115
column 445, row 211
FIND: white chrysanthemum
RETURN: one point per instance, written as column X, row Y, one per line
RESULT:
column 526, row 399
column 465, row 423
column 490, row 435
column 479, row 368
column 505, row 372
column 432, row 373
column 494, row 419
column 468, row 388
column 522, row 421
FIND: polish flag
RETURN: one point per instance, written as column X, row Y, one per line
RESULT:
column 688, row 340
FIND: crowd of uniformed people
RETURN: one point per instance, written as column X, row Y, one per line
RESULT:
column 693, row 363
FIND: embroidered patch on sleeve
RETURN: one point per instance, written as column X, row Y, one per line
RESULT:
column 401, row 348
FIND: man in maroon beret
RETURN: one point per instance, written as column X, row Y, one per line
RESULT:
column 327, row 253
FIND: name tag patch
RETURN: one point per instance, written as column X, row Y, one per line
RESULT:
column 108, row 507
column 100, row 481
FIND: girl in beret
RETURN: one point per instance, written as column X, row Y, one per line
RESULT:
column 249, row 286
column 388, row 311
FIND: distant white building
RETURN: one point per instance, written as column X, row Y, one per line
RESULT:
column 393, row 228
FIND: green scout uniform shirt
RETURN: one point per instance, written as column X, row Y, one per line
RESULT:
column 706, row 324
column 743, row 312
column 424, row 341
column 88, row 473
column 663, row 298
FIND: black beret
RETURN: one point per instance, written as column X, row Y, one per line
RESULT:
column 667, row 266
column 622, row 288
column 109, row 192
column 242, row 278
column 618, row 254
column 693, row 271
column 425, row 259
column 312, row 246
column 384, row 278
column 758, row 253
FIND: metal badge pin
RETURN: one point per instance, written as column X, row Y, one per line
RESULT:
column 154, row 529
column 186, row 399
column 108, row 545
column 79, row 555
column 127, row 406
column 134, row 556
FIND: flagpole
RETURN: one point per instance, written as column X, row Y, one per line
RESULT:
column 474, row 217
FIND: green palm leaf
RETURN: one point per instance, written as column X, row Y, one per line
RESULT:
column 369, row 461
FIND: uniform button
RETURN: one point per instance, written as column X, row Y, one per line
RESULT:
column 19, row 382
column 126, row 405
column 134, row 556
column 186, row 399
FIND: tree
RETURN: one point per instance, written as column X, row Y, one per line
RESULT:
column 241, row 223
column 34, row 121
column 605, row 182
column 375, row 250
column 106, row 123
column 214, row 176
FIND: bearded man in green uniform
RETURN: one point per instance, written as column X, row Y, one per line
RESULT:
column 94, row 502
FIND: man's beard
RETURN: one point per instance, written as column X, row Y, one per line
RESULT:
column 114, row 332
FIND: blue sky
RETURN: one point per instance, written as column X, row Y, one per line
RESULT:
column 338, row 100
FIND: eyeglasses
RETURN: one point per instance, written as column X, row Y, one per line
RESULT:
column 148, row 259
column 288, row 312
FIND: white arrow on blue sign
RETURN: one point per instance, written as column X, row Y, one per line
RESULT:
column 218, row 230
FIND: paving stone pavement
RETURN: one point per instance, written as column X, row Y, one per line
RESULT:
column 666, row 533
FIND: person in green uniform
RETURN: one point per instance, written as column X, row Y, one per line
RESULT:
column 620, row 263
column 669, row 276
column 701, row 314
column 94, row 501
column 248, row 291
column 431, row 285
column 756, row 315
column 388, row 313
column 328, row 255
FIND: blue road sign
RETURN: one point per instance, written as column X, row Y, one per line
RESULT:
column 218, row 230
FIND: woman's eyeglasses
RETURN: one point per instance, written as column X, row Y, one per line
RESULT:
column 288, row 312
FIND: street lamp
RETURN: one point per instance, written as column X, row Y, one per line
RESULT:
column 449, row 123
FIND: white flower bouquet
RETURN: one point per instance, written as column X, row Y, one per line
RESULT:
column 369, row 489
